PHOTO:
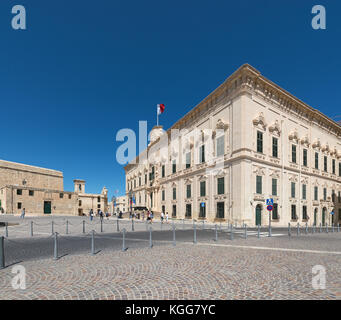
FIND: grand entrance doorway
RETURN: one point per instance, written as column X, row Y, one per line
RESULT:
column 258, row 215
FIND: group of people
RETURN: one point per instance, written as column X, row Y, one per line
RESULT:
column 99, row 213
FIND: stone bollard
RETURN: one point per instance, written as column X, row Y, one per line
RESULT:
column 174, row 240
column 258, row 231
column 124, row 248
column 83, row 226
column 101, row 225
column 270, row 231
column 132, row 225
column 67, row 227
column 52, row 227
column 327, row 228
column 31, row 228
column 338, row 227
column 195, row 232
column 55, row 253
column 320, row 227
column 118, row 225
column 6, row 229
column 313, row 228
column 333, row 227
column 289, row 229
column 245, row 231
column 150, row 238
column 298, row 229
column 93, row 242
column 306, row 228
column 2, row 252
column 216, row 233
column 231, row 234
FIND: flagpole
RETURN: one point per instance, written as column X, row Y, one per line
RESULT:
column 157, row 117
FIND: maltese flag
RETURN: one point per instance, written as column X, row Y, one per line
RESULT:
column 160, row 108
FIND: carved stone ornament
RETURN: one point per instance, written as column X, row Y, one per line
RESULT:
column 305, row 140
column 260, row 120
column 293, row 135
column 316, row 143
column 275, row 128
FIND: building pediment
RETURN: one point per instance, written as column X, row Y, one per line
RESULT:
column 259, row 121
column 275, row 128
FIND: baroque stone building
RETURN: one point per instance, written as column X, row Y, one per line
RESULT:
column 40, row 191
column 249, row 140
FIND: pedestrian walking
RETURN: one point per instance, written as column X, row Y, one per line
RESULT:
column 107, row 215
column 167, row 217
column 162, row 217
column 23, row 212
column 100, row 213
column 91, row 215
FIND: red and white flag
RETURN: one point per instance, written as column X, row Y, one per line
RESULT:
column 160, row 108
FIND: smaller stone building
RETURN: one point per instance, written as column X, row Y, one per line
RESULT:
column 88, row 201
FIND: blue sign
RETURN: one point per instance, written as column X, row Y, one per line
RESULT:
column 269, row 207
column 202, row 204
column 269, row 202
column 332, row 213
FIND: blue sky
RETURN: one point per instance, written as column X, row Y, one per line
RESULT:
column 85, row 69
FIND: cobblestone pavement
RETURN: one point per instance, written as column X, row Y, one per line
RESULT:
column 267, row 268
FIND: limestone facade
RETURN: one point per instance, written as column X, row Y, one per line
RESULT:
column 253, row 141
column 40, row 191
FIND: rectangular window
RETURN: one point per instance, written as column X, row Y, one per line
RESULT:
column 259, row 142
column 304, row 213
column 293, row 212
column 339, row 196
column 275, row 147
column 174, row 193
column 305, row 157
column 188, row 210
column 163, row 171
column 202, row 154
column 316, row 193
column 325, row 167
column 316, row 160
column 174, row 211
column 304, row 191
column 70, row 196
column 174, row 166
column 274, row 187
column 203, row 189
column 80, row 203
column 98, row 206
column 220, row 210
column 221, row 185
column 19, row 205
column 98, row 199
column 145, row 179
column 188, row 191
column 333, row 166
column 275, row 212
column 339, row 169
column 220, row 146
column 324, row 194
column 61, row 195
column 31, row 193
column 139, row 181
column 19, row 192
column 293, row 153
column 293, row 189
column 259, row 185
column 202, row 210
column 188, row 160
column 163, row 195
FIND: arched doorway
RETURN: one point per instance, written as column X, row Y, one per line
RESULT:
column 315, row 217
column 324, row 211
column 258, row 215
